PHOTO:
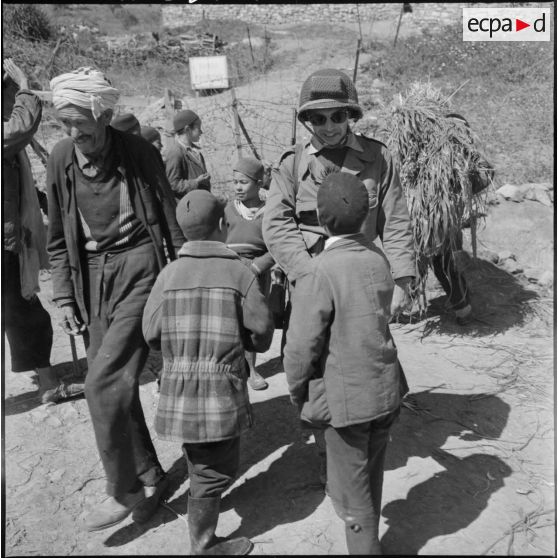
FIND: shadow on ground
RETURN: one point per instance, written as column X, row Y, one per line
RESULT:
column 25, row 402
column 452, row 499
column 289, row 490
column 499, row 299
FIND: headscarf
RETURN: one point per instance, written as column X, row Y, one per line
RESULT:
column 85, row 87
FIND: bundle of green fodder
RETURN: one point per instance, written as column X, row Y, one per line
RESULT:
column 438, row 163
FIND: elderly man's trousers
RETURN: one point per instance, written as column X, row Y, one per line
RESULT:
column 119, row 285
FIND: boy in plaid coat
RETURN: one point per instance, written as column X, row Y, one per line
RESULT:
column 204, row 311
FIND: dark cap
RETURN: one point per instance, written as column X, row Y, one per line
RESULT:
column 250, row 167
column 184, row 118
column 198, row 214
column 126, row 123
column 342, row 203
column 150, row 134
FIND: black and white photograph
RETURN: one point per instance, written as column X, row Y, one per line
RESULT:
column 279, row 279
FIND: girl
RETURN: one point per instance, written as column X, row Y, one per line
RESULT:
column 243, row 216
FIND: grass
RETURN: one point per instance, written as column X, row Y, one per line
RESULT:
column 506, row 95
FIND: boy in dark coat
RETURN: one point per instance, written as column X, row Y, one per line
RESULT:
column 205, row 310
column 341, row 361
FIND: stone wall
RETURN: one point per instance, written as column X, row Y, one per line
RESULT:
column 422, row 15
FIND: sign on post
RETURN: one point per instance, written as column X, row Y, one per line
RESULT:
column 209, row 72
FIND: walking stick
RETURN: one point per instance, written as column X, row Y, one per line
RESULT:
column 75, row 360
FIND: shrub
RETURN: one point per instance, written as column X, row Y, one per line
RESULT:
column 26, row 21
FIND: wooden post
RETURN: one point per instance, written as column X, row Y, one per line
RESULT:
column 398, row 24
column 236, row 123
column 293, row 129
column 250, row 143
column 250, row 43
column 356, row 61
column 169, row 108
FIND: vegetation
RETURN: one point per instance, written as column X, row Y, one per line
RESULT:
column 144, row 63
column 442, row 172
column 504, row 90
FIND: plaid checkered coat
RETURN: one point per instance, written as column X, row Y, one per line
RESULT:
column 204, row 311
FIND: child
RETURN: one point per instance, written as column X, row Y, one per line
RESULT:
column 204, row 311
column 244, row 216
column 153, row 136
column 341, row 361
column 184, row 162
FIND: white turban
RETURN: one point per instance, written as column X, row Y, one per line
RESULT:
column 85, row 87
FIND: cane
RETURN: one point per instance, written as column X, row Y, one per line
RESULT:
column 75, row 361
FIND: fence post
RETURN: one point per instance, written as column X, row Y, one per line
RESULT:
column 245, row 132
column 356, row 60
column 398, row 24
column 236, row 123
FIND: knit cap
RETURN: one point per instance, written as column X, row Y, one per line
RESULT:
column 342, row 203
column 126, row 123
column 184, row 118
column 251, row 167
column 198, row 214
column 150, row 134
column 327, row 89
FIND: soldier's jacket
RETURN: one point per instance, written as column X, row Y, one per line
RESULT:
column 290, row 226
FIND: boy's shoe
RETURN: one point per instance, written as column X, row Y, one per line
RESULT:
column 113, row 510
column 153, row 495
column 255, row 381
column 62, row 392
column 203, row 514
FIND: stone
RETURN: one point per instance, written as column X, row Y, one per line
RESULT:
column 491, row 256
column 546, row 279
column 511, row 266
column 537, row 193
column 510, row 192
column 505, row 255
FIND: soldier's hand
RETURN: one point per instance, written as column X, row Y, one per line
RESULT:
column 401, row 301
column 69, row 320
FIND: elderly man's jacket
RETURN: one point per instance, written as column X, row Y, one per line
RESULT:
column 203, row 312
column 150, row 196
column 290, row 225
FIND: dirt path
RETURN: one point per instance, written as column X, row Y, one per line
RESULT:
column 470, row 468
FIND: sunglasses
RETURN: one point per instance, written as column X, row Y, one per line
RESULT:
column 338, row 117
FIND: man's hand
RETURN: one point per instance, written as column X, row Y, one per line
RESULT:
column 16, row 73
column 203, row 178
column 401, row 301
column 69, row 321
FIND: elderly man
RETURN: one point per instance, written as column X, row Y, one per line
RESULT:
column 111, row 223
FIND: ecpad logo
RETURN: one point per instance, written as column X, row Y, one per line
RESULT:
column 506, row 24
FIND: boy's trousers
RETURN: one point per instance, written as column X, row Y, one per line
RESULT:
column 355, row 469
column 119, row 285
column 212, row 466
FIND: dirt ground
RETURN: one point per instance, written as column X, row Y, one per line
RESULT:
column 470, row 468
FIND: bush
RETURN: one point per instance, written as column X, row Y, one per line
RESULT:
column 26, row 21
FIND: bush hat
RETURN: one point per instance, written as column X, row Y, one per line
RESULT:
column 342, row 203
column 126, row 122
column 184, row 118
column 251, row 167
column 327, row 89
column 198, row 214
column 150, row 134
